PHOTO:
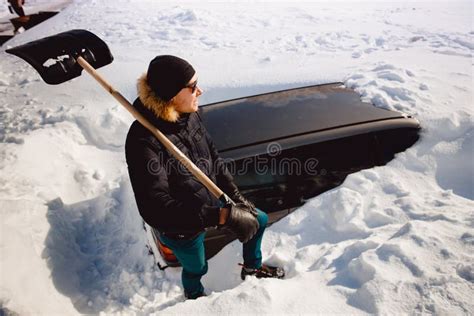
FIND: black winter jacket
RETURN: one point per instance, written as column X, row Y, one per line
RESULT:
column 169, row 197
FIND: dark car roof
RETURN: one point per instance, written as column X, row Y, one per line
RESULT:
column 285, row 114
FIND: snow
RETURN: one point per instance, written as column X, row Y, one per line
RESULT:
column 396, row 239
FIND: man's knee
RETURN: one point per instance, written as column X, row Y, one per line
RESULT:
column 262, row 218
column 197, row 268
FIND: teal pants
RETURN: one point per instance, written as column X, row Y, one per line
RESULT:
column 191, row 255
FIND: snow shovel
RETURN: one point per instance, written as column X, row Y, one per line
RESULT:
column 62, row 57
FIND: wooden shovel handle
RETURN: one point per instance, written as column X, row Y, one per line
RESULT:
column 214, row 189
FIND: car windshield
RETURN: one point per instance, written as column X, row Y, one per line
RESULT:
column 277, row 115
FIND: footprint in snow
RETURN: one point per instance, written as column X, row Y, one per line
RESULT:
column 391, row 250
column 416, row 39
column 390, row 76
column 466, row 272
column 423, row 87
column 394, row 189
column 467, row 239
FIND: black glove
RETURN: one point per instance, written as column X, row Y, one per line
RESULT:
column 242, row 221
column 237, row 197
column 209, row 215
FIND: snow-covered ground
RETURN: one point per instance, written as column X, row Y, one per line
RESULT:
column 397, row 239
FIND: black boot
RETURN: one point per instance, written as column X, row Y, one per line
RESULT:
column 193, row 296
column 265, row 271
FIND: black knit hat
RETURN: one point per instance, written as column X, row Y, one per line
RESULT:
column 167, row 75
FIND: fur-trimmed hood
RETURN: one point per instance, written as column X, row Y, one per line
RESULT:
column 162, row 109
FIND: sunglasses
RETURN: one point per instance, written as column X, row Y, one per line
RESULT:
column 193, row 86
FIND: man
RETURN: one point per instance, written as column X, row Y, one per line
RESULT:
column 17, row 5
column 170, row 198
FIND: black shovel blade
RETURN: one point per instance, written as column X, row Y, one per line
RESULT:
column 54, row 57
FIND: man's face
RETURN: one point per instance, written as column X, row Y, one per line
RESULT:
column 186, row 101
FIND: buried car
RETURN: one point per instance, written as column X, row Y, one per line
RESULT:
column 293, row 145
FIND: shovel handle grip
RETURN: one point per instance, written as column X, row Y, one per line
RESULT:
column 214, row 189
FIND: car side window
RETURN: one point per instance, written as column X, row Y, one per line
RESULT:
column 285, row 180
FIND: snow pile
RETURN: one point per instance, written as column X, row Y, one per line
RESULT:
column 392, row 239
